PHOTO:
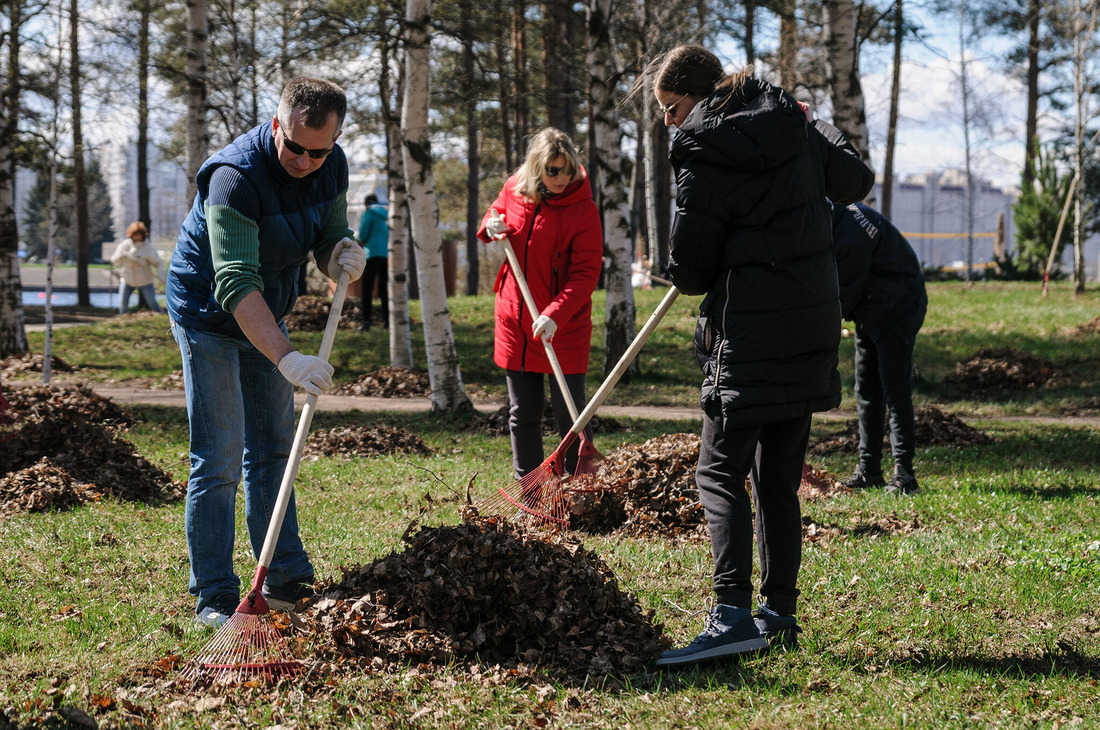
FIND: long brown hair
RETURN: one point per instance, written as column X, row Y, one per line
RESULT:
column 694, row 71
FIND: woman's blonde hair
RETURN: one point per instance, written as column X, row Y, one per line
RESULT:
column 545, row 147
column 137, row 227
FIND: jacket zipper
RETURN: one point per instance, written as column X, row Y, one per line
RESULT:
column 522, row 305
column 715, row 394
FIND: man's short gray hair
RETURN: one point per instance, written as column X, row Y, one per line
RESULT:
column 316, row 99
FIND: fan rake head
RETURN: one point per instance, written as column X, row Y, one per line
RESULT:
column 247, row 647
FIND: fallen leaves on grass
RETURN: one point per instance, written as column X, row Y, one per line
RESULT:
column 486, row 593
column 933, row 427
column 365, row 441
column 388, row 382
column 31, row 362
column 65, row 450
column 1002, row 369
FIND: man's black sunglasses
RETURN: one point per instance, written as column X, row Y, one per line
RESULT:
column 300, row 150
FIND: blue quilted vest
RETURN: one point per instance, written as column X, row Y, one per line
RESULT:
column 293, row 213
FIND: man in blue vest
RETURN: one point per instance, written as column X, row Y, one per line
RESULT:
column 264, row 202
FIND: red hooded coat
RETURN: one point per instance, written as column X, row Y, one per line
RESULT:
column 559, row 245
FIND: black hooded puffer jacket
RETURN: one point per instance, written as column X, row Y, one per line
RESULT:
column 753, row 231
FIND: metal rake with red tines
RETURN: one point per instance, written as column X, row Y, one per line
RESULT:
column 249, row 645
column 542, row 497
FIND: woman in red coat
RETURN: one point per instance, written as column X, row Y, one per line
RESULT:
column 547, row 211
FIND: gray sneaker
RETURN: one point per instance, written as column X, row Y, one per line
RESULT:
column 729, row 631
column 902, row 485
column 780, row 631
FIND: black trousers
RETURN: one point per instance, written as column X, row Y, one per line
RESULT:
column 884, row 380
column 526, row 398
column 377, row 269
column 771, row 456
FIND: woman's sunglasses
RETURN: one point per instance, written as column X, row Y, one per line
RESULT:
column 555, row 171
column 671, row 108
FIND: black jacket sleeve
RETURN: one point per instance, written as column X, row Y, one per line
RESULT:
column 847, row 179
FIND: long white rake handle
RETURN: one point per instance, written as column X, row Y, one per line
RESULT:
column 291, row 471
column 530, row 301
column 624, row 362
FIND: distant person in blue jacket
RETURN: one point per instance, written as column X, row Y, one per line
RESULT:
column 265, row 202
column 882, row 291
column 374, row 236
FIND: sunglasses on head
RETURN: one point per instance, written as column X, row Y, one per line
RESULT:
column 552, row 171
column 298, row 149
column 671, row 108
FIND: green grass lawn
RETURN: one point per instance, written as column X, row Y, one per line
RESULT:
column 973, row 604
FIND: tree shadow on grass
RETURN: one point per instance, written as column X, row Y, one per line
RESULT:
column 1063, row 661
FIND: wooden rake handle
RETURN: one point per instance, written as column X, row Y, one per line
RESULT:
column 559, row 374
column 295, row 459
column 624, row 362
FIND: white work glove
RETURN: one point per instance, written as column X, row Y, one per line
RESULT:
column 544, row 328
column 495, row 226
column 306, row 371
column 350, row 257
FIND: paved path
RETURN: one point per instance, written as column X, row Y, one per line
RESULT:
column 126, row 395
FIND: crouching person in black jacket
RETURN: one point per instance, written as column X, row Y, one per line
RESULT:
column 753, row 232
column 882, row 291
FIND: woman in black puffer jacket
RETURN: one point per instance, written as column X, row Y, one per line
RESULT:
column 753, row 232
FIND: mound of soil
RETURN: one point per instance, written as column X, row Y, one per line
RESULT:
column 1000, row 369
column 655, row 485
column 31, row 362
column 310, row 314
column 389, row 382
column 933, row 428
column 485, row 593
column 64, row 448
column 363, row 441
column 1092, row 327
column 496, row 422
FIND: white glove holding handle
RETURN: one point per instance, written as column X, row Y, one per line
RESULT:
column 495, row 226
column 544, row 328
column 349, row 256
column 311, row 373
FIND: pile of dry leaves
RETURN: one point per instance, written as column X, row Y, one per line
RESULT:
column 357, row 441
column 496, row 422
column 933, row 428
column 486, row 593
column 646, row 489
column 310, row 314
column 389, row 382
column 891, row 524
column 1000, row 369
column 64, row 448
column 1092, row 327
column 31, row 362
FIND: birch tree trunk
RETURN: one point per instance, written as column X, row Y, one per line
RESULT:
column 448, row 395
column 144, row 214
column 892, row 125
column 788, row 44
column 842, row 67
column 398, row 262
column 611, row 181
column 80, row 188
column 198, row 138
column 1031, row 142
column 1083, row 50
column 965, row 81
column 13, row 335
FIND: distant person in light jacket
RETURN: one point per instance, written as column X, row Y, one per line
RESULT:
column 139, row 266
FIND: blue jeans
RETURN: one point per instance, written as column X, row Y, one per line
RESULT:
column 148, row 293
column 241, row 414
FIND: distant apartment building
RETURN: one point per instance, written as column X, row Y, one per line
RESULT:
column 936, row 203
column 168, row 201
